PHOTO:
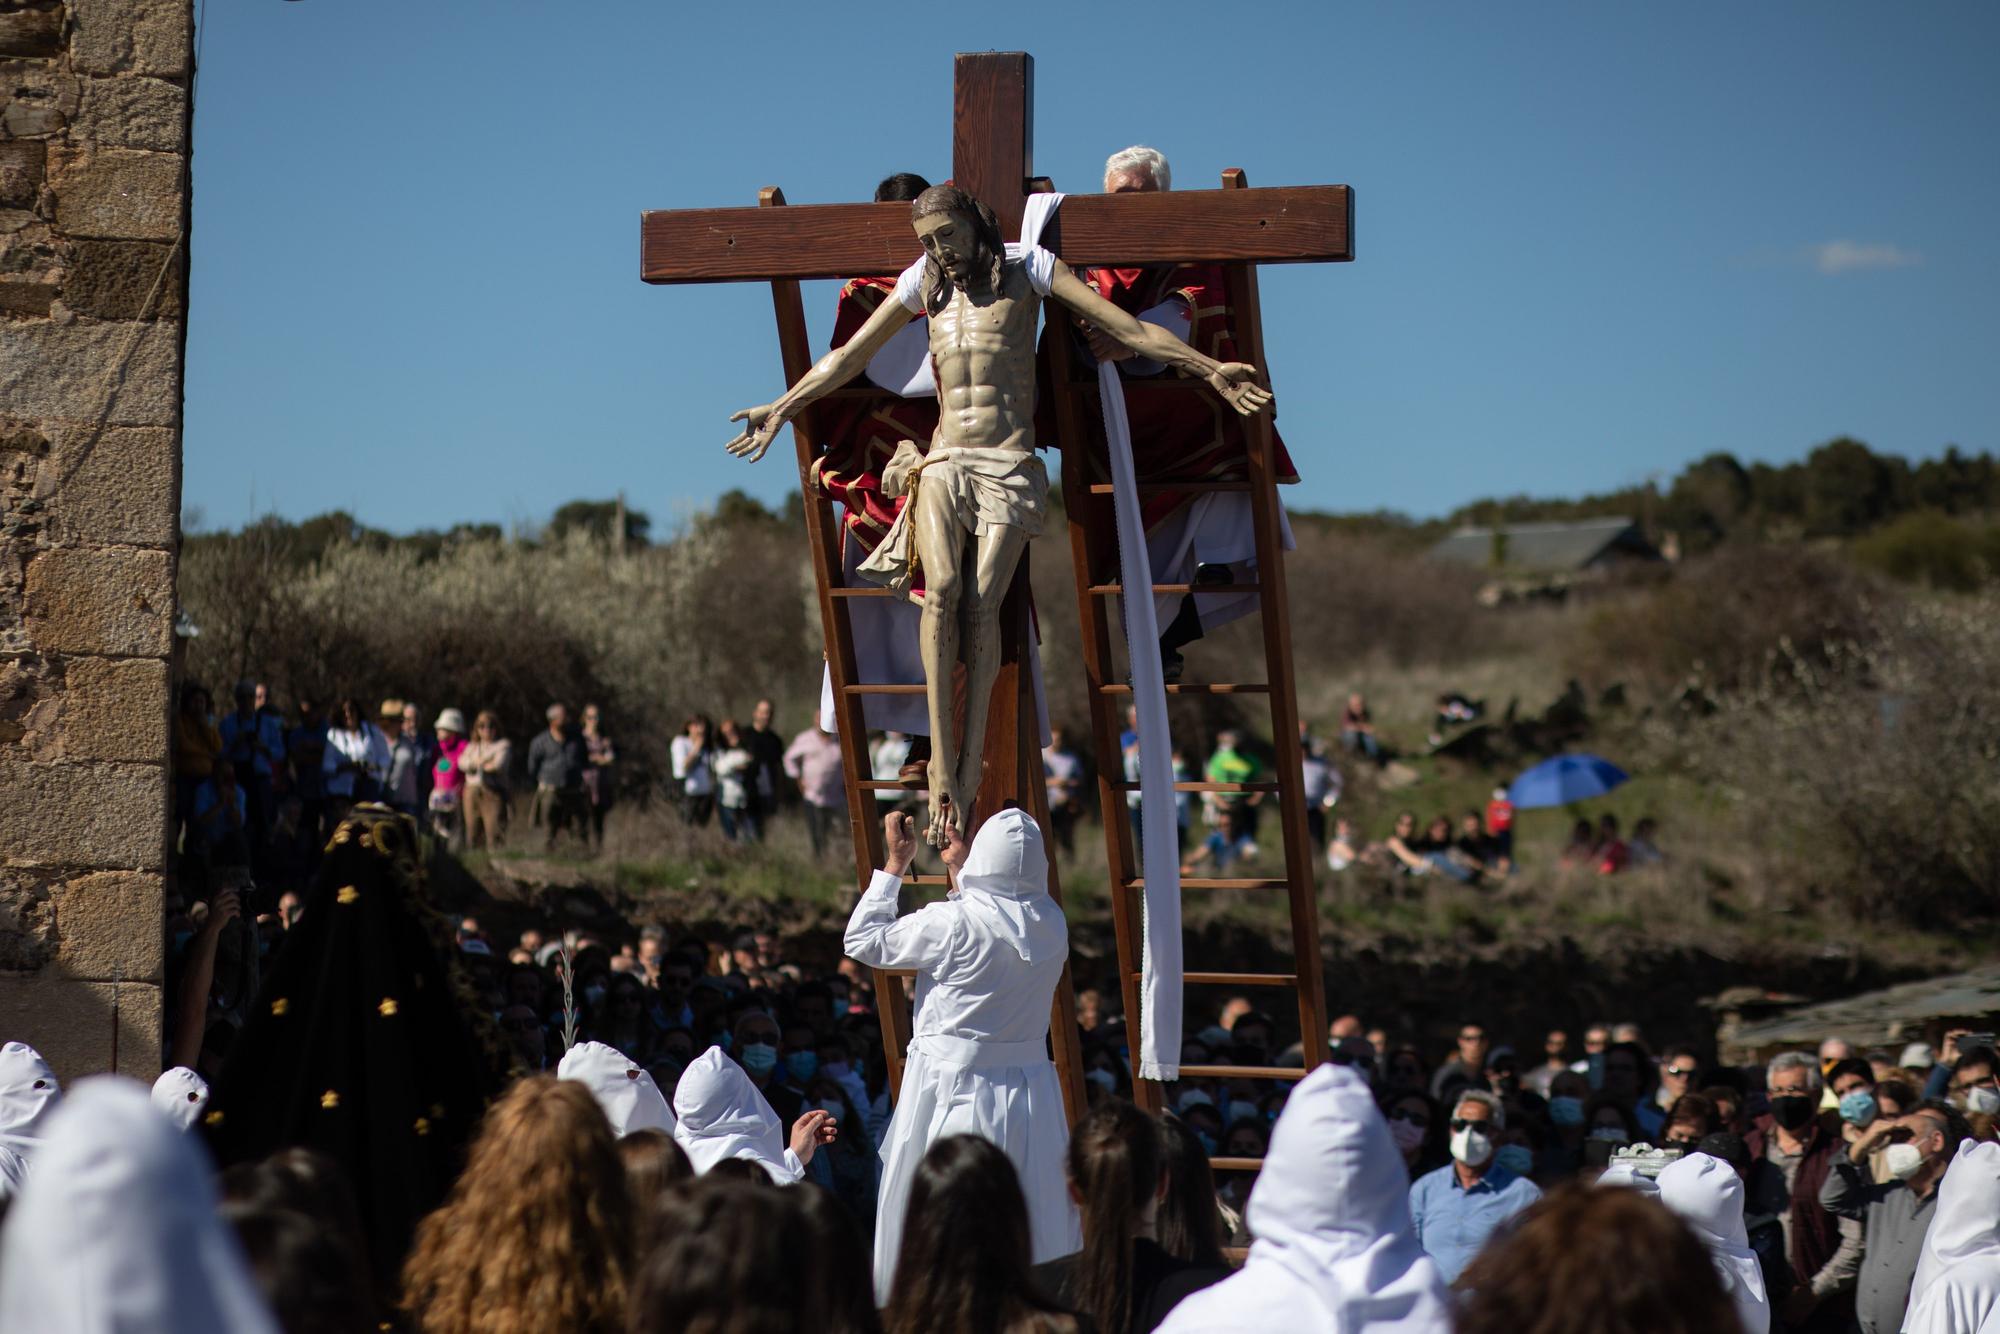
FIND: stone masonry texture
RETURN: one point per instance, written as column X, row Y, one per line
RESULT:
column 95, row 103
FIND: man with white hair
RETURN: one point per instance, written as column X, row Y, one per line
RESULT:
column 1792, row 1150
column 1457, row 1207
column 1191, row 536
column 988, row 959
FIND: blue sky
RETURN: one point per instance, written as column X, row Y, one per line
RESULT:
column 1594, row 241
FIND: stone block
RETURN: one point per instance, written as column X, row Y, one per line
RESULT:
column 83, row 815
column 124, row 280
column 32, row 299
column 71, row 371
column 110, row 926
column 23, row 164
column 31, row 32
column 132, row 36
column 37, row 98
column 117, row 192
column 132, row 112
column 118, row 485
column 31, row 707
column 85, row 1028
column 115, row 709
column 27, row 922
column 118, row 602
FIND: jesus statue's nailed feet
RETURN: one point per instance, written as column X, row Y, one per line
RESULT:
column 948, row 809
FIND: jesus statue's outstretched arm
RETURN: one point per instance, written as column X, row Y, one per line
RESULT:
column 1235, row 381
column 835, row 369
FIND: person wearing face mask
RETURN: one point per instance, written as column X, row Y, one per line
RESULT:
column 850, row 1167
column 1416, row 1124
column 1795, row 1148
column 1894, row 1217
column 1851, row 1081
column 1457, row 1207
column 1974, row 1086
column 754, row 1043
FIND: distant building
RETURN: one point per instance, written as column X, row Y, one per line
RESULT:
column 1585, row 546
column 1885, row 1019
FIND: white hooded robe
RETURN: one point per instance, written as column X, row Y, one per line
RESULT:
column 29, row 1093
column 1706, row 1194
column 181, row 1096
column 1957, row 1287
column 988, row 961
column 117, row 1230
column 627, row 1093
column 722, row 1115
column 1330, row 1213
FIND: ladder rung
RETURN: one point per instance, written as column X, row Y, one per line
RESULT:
column 885, row 785
column 1236, row 1164
column 1118, row 590
column 1105, row 488
column 926, row 879
column 882, row 688
column 861, row 592
column 1211, row 882
column 1243, row 1072
column 1236, row 979
column 1126, row 785
column 1192, row 688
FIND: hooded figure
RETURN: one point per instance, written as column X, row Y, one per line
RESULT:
column 28, row 1095
column 628, row 1095
column 722, row 1115
column 119, row 1231
column 1957, row 1288
column 1707, row 1195
column 181, row 1094
column 1330, row 1212
column 987, row 960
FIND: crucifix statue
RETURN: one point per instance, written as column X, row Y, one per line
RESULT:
column 980, row 492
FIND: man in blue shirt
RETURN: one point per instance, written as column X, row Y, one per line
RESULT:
column 1457, row 1207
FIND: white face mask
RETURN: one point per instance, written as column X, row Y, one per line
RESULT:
column 1983, row 1100
column 1471, row 1146
column 1903, row 1160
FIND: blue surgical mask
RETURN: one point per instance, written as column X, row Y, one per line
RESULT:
column 1858, row 1108
column 837, row 1069
column 1565, row 1110
column 1515, row 1158
column 802, row 1065
column 759, row 1058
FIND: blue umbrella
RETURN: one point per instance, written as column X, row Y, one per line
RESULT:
column 1565, row 779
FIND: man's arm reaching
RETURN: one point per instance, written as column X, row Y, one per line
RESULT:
column 876, row 936
column 1235, row 381
column 835, row 369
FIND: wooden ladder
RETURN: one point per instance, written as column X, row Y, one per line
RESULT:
column 1013, row 742
column 1094, row 543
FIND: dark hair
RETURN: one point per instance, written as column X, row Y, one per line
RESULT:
column 1114, row 1165
column 964, row 1260
column 654, row 1164
column 1189, row 1226
column 1957, row 1128
column 731, row 1259
column 848, row 1297
column 900, row 188
column 1598, row 1102
column 1693, row 1107
column 741, row 1169
column 1898, row 1090
column 1977, row 1056
column 308, row 1183
column 1648, row 1073
column 992, row 249
column 1580, row 1242
column 304, row 1271
column 1851, row 1065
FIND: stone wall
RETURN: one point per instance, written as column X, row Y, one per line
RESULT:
column 94, row 141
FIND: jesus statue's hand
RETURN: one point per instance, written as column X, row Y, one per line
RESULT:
column 763, row 426
column 1238, row 383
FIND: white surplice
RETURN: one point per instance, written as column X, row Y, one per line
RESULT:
column 117, row 1229
column 1957, row 1284
column 1334, row 1250
column 722, row 1115
column 29, row 1094
column 988, row 961
column 1707, row 1195
column 628, row 1095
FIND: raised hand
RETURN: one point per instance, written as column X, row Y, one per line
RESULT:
column 1238, row 383
column 811, row 1130
column 763, row 426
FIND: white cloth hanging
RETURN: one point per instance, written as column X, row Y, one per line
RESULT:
column 1330, row 1214
column 181, row 1095
column 722, row 1115
column 1957, row 1285
column 988, row 960
column 628, row 1095
column 118, row 1231
column 1707, row 1195
column 29, row 1093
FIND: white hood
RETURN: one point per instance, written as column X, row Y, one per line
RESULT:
column 118, row 1230
column 1707, row 1195
column 722, row 1115
column 1005, row 883
column 628, row 1095
column 28, row 1096
column 181, row 1095
column 1966, row 1224
column 1332, row 1208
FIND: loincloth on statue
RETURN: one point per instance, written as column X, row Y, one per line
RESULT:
column 987, row 488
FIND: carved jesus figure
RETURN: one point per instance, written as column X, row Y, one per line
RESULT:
column 980, row 492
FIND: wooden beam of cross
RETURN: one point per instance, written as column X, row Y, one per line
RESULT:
column 993, row 159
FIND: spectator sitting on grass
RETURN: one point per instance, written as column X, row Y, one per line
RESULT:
column 1226, row 845
column 1643, row 848
column 1581, row 850
column 1357, row 729
column 1612, row 854
column 1341, row 851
